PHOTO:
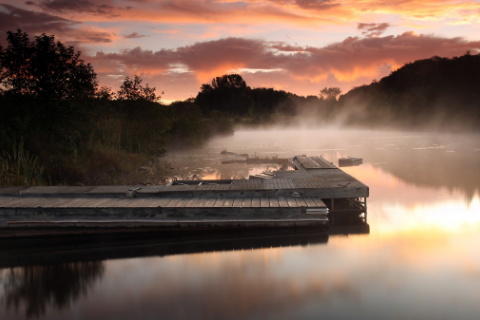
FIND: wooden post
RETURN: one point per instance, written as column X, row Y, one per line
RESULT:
column 333, row 204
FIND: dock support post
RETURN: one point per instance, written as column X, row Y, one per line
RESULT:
column 333, row 204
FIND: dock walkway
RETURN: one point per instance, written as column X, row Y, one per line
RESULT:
column 289, row 198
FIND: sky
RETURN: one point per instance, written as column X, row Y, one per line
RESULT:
column 300, row 46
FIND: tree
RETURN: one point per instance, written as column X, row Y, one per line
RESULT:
column 229, row 81
column 330, row 93
column 132, row 89
column 228, row 93
column 44, row 68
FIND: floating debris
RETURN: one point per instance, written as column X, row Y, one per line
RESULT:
column 349, row 162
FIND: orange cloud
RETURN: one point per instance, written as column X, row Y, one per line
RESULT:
column 346, row 61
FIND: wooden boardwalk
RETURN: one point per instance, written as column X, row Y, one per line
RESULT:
column 289, row 198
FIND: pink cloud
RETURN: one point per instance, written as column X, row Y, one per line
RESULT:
column 346, row 63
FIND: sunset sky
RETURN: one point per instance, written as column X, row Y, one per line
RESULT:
column 299, row 46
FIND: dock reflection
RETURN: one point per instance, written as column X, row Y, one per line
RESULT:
column 55, row 273
column 48, row 251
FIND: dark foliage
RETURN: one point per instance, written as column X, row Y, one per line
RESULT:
column 230, row 96
column 50, row 103
column 436, row 92
column 228, row 93
column 44, row 69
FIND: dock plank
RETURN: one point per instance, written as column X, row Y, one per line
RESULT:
column 173, row 202
column 210, row 202
column 247, row 202
column 274, row 202
column 309, row 201
column 201, row 202
column 237, row 203
column 219, row 203
column 282, row 202
column 301, row 202
column 291, row 202
column 192, row 202
column 183, row 202
column 264, row 202
column 255, row 202
column 228, row 202
column 6, row 201
column 319, row 202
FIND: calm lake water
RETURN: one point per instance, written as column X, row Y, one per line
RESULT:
column 420, row 260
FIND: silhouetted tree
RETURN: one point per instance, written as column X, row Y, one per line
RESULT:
column 228, row 93
column 132, row 89
column 44, row 68
column 330, row 93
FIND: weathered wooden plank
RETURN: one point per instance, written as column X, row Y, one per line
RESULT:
column 319, row 202
column 309, row 201
column 136, row 202
column 97, row 202
column 173, row 202
column 102, row 203
column 6, row 201
column 28, row 202
column 228, row 202
column 201, row 202
column 74, row 202
column 255, row 202
column 323, row 163
column 57, row 202
column 210, row 202
column 264, row 202
column 301, row 202
column 273, row 202
column 219, row 203
column 237, row 203
column 294, row 174
column 291, row 202
column 282, row 202
column 161, row 201
column 247, row 202
column 182, row 202
column 192, row 202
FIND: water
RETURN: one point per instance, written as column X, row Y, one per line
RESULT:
column 419, row 261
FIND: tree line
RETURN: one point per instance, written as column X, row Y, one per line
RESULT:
column 436, row 93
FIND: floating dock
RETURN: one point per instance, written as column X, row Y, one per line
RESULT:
column 310, row 196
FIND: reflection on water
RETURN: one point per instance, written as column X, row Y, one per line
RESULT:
column 32, row 289
column 419, row 258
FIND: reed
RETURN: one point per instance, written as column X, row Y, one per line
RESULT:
column 20, row 168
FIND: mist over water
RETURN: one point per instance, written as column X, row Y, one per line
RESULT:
column 420, row 259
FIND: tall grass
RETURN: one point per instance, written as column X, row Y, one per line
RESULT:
column 20, row 168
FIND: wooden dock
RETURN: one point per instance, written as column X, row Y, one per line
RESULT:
column 297, row 198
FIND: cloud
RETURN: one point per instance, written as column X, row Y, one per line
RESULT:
column 78, row 6
column 317, row 4
column 134, row 35
column 34, row 23
column 373, row 29
column 12, row 18
column 350, row 62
